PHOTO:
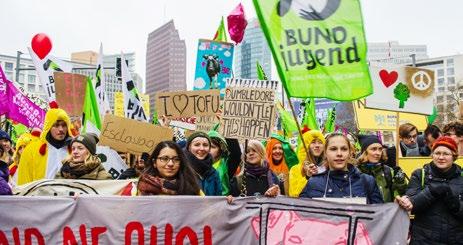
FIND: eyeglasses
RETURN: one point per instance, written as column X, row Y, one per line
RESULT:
column 444, row 154
column 409, row 137
column 166, row 159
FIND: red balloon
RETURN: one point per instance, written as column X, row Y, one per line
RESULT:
column 41, row 44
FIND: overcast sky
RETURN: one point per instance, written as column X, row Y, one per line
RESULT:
column 123, row 25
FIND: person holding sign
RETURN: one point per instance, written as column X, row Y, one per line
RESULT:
column 309, row 164
column 255, row 177
column 391, row 182
column 83, row 163
column 197, row 151
column 434, row 195
column 341, row 179
column 168, row 173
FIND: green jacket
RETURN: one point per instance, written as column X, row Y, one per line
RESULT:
column 384, row 177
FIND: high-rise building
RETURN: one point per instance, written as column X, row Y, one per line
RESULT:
column 165, row 61
column 253, row 48
column 448, row 90
column 394, row 53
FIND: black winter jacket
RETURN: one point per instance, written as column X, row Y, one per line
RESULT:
column 434, row 222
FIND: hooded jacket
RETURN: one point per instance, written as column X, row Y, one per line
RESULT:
column 40, row 159
column 343, row 184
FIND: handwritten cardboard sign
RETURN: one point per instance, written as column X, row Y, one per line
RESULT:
column 248, row 113
column 70, row 92
column 188, row 103
column 127, row 135
column 205, row 123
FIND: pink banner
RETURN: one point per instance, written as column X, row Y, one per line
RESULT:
column 16, row 106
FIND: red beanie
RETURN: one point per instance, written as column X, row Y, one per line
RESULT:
column 447, row 142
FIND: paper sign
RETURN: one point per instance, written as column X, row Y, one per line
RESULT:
column 205, row 123
column 127, row 135
column 402, row 88
column 213, row 65
column 188, row 103
column 119, row 104
column 371, row 119
column 248, row 113
column 70, row 92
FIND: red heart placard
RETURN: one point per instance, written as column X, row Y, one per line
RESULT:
column 388, row 78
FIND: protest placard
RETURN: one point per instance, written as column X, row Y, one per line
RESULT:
column 127, row 135
column 257, row 220
column 188, row 103
column 372, row 119
column 206, row 123
column 70, row 92
column 402, row 88
column 248, row 113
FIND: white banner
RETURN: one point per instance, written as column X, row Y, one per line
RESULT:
column 133, row 107
column 197, row 220
column 111, row 161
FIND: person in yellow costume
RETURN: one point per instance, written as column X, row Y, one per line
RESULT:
column 308, row 165
column 41, row 159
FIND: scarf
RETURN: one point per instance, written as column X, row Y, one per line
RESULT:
column 75, row 170
column 58, row 144
column 201, row 167
column 255, row 170
column 411, row 150
column 449, row 174
column 154, row 185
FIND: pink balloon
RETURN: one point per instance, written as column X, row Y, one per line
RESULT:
column 41, row 44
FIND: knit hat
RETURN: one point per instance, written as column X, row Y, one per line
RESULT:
column 89, row 140
column 367, row 140
column 196, row 135
column 4, row 135
column 447, row 142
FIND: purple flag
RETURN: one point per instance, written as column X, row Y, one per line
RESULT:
column 16, row 106
column 237, row 24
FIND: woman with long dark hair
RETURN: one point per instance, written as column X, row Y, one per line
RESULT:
column 168, row 172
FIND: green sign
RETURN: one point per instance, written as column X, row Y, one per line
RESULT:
column 319, row 47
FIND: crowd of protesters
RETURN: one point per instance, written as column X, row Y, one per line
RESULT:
column 208, row 164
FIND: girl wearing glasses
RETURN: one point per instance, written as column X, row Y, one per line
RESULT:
column 168, row 173
column 434, row 195
column 341, row 179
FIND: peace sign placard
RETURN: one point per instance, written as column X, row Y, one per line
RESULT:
column 402, row 88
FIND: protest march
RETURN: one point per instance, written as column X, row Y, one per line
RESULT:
column 234, row 159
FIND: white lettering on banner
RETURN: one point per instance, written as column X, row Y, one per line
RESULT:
column 26, row 110
column 255, row 221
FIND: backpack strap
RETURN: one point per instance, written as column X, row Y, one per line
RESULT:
column 388, row 174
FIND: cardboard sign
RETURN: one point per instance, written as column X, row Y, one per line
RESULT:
column 205, row 123
column 213, row 65
column 371, row 119
column 188, row 103
column 132, row 136
column 402, row 88
column 248, row 113
column 70, row 92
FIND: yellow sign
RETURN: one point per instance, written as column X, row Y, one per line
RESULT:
column 409, row 164
column 372, row 119
column 119, row 103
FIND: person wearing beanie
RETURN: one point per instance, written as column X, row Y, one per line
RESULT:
column 219, row 153
column 83, row 163
column 5, row 143
column 5, row 188
column 280, row 158
column 309, row 164
column 435, row 196
column 197, row 151
column 41, row 159
column 391, row 181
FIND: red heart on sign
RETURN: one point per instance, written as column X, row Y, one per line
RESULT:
column 388, row 78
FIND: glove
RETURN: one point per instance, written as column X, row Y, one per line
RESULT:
column 440, row 190
column 452, row 202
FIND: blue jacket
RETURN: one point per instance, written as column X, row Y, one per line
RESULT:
column 4, row 173
column 211, row 184
column 362, row 185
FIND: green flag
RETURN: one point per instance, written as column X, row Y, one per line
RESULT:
column 260, row 72
column 18, row 129
column 330, row 122
column 91, row 117
column 287, row 121
column 309, row 118
column 155, row 117
column 318, row 52
column 221, row 34
column 433, row 116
